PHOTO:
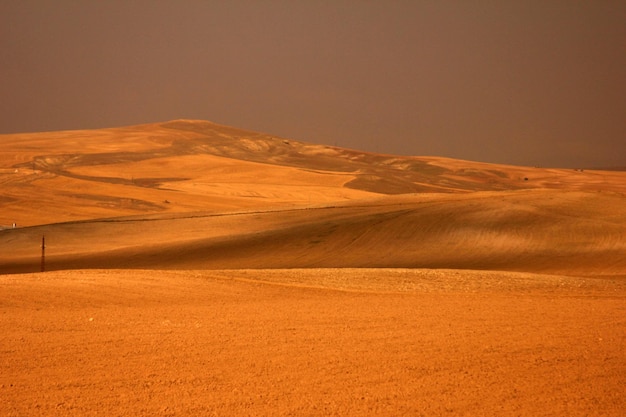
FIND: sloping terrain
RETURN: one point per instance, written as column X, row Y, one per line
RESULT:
column 196, row 269
column 192, row 194
column 184, row 166
column 569, row 233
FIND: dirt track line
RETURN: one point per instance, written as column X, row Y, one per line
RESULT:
column 184, row 216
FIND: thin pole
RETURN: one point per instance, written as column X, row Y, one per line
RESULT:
column 43, row 253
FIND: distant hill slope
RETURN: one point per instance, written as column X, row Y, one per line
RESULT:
column 194, row 194
column 185, row 165
column 542, row 231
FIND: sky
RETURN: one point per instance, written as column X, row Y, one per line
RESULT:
column 533, row 82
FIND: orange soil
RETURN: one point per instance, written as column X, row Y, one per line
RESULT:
column 147, row 343
column 197, row 269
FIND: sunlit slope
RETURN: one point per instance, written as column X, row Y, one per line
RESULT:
column 159, row 168
column 193, row 194
column 568, row 233
column 184, row 166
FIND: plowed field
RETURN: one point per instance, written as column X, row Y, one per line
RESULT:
column 339, row 342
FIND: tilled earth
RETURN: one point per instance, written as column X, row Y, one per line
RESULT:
column 311, row 342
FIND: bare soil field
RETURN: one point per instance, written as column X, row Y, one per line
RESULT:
column 198, row 269
column 285, row 342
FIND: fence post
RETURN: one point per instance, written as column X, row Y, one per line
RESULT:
column 43, row 253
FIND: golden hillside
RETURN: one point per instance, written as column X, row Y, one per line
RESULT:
column 197, row 195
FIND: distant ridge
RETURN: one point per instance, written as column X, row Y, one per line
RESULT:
column 190, row 194
column 185, row 165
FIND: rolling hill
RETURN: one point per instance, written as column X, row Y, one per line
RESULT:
column 196, row 195
column 197, row 269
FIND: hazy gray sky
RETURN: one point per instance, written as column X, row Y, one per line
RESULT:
column 531, row 82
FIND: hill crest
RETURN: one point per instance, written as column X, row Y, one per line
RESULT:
column 81, row 174
column 195, row 194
